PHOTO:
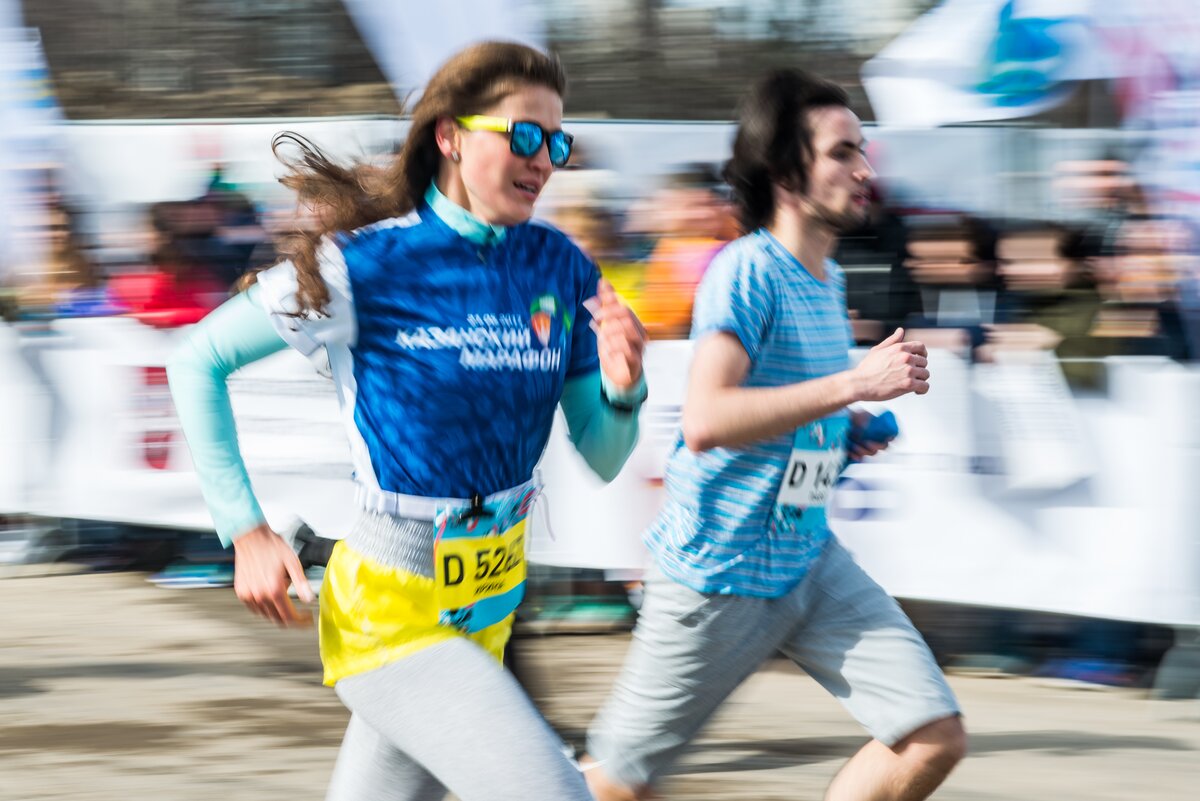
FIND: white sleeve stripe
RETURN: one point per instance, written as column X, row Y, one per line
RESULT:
column 407, row 221
column 308, row 332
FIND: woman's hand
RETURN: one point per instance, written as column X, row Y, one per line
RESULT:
column 264, row 565
column 620, row 338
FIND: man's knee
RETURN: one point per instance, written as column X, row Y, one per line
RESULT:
column 603, row 788
column 939, row 745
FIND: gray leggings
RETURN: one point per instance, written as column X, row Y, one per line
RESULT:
column 448, row 718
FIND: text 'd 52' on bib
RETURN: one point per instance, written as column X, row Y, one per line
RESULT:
column 479, row 562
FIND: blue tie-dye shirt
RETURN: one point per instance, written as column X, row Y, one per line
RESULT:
column 449, row 354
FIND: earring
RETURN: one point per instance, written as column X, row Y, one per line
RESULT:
column 454, row 156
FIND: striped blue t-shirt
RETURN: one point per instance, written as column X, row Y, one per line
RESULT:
column 716, row 532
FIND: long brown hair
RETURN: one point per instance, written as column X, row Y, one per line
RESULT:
column 347, row 197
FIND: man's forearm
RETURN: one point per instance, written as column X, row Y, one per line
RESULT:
column 732, row 417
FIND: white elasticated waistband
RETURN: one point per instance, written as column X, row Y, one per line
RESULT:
column 418, row 507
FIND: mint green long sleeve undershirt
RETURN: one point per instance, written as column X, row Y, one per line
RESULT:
column 240, row 332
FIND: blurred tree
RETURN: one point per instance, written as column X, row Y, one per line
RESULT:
column 657, row 59
column 207, row 58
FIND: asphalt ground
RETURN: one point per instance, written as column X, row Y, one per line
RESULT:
column 112, row 689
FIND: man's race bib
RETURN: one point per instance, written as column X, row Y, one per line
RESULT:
column 818, row 456
column 479, row 562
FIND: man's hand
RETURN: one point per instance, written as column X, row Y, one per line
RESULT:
column 891, row 369
column 859, row 449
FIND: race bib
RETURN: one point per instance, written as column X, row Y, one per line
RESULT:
column 479, row 562
column 818, row 456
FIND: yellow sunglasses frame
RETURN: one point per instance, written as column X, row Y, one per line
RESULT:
column 481, row 122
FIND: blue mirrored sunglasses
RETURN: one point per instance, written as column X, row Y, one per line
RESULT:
column 525, row 138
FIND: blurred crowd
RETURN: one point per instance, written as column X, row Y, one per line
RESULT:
column 178, row 261
column 1114, row 278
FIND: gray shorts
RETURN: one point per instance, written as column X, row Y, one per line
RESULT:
column 691, row 650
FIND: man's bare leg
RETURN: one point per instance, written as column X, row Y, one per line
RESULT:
column 910, row 771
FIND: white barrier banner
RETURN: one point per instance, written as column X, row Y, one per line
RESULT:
column 1001, row 490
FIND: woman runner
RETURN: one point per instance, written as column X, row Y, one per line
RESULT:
column 453, row 327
